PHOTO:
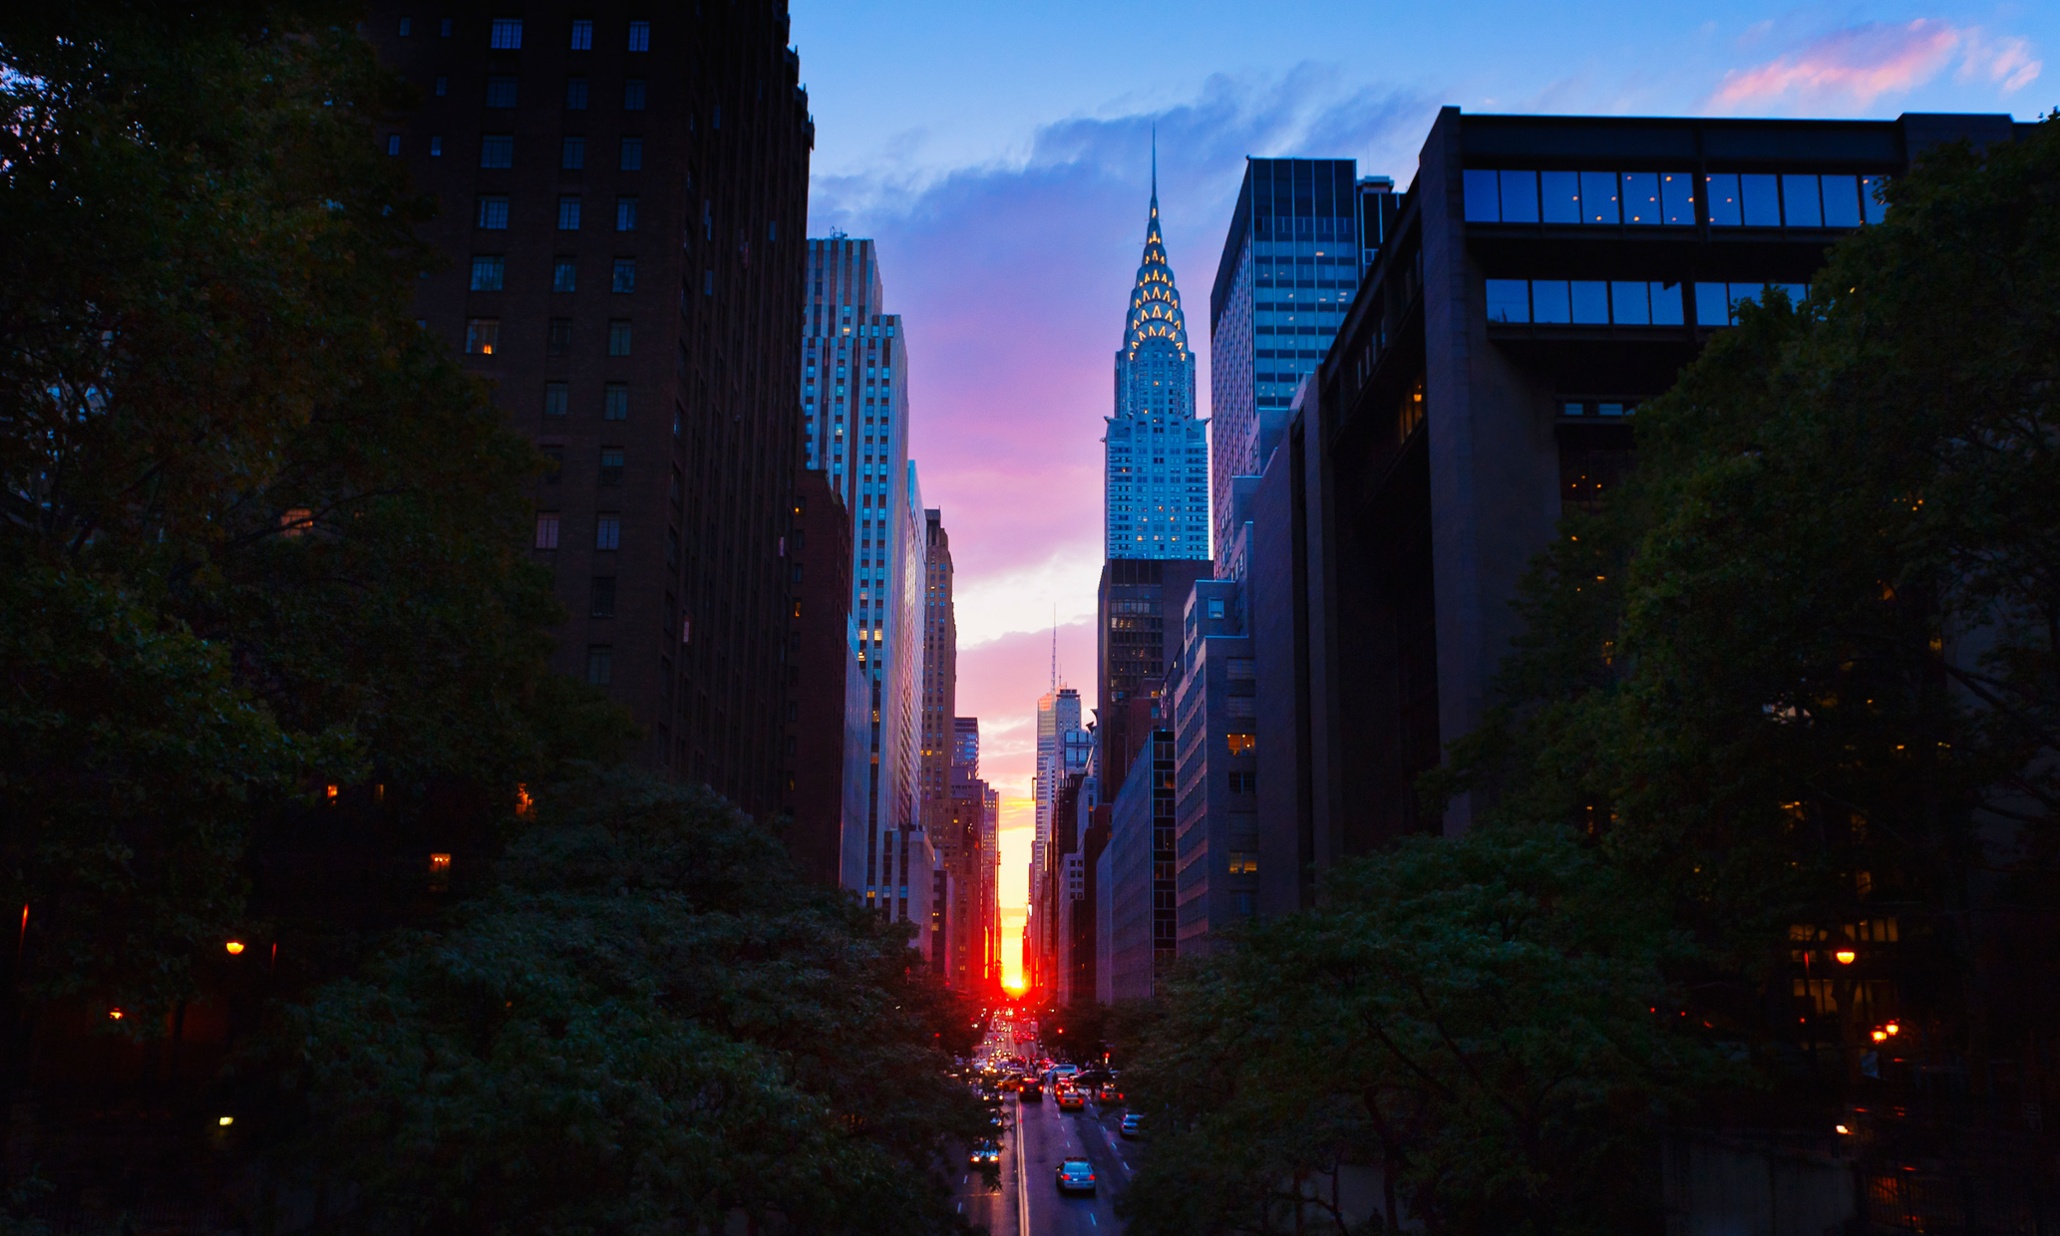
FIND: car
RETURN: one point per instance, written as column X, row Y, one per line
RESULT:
column 1071, row 1101
column 984, row 1152
column 1076, row 1176
column 1108, row 1094
column 1133, row 1126
column 1031, row 1089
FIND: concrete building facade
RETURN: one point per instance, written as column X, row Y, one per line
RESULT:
column 621, row 196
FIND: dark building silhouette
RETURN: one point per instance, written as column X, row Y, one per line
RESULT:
column 622, row 194
column 1541, row 277
column 822, row 661
column 1137, row 624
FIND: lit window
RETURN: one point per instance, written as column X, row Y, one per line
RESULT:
column 487, row 273
column 633, row 95
column 405, row 24
column 611, row 470
column 547, row 531
column 568, row 214
column 493, row 213
column 482, row 335
column 1239, row 744
column 296, row 521
column 640, row 36
column 564, row 275
column 608, row 532
column 393, row 144
column 583, row 35
column 507, row 34
column 625, row 275
column 625, row 214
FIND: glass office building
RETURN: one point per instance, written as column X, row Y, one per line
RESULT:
column 1302, row 234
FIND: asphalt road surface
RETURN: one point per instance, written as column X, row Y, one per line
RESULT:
column 1047, row 1137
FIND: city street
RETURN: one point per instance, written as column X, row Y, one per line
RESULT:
column 1046, row 1137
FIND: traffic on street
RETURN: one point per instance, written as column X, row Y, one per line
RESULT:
column 1062, row 1147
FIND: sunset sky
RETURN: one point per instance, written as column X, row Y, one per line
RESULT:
column 999, row 154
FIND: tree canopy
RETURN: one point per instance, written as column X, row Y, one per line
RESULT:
column 649, row 1024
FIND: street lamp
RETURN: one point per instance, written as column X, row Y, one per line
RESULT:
column 1845, row 956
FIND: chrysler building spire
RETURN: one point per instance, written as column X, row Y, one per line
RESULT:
column 1156, row 470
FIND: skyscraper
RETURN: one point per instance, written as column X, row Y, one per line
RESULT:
column 1155, row 477
column 854, row 404
column 621, row 195
column 940, row 672
column 1291, row 263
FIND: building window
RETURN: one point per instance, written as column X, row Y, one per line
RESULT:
column 611, row 471
column 556, row 400
column 633, row 95
column 640, row 36
column 482, row 335
column 600, row 665
column 393, row 144
column 487, row 273
column 615, row 401
column 601, row 597
column 583, row 35
column 564, row 275
column 443, row 28
column 608, row 532
column 1716, row 304
column 500, row 91
column 572, row 153
column 497, row 150
column 625, row 214
column 1239, row 744
column 558, row 336
column 632, row 154
column 625, row 275
column 493, row 213
column 618, row 338
column 507, row 34
column 575, row 94
column 547, row 531
column 443, row 86
column 1215, row 607
column 405, row 23
column 568, row 214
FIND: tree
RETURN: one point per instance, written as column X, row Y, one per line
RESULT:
column 650, row 1024
column 258, row 532
column 1485, row 1018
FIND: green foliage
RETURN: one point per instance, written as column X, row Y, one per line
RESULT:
column 650, row 1024
column 258, row 531
column 1485, row 1017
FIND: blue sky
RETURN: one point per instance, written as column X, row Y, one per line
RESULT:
column 999, row 154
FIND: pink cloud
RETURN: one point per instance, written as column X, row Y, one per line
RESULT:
column 1862, row 63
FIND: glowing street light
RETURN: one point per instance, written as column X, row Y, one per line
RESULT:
column 1845, row 956
column 235, row 948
